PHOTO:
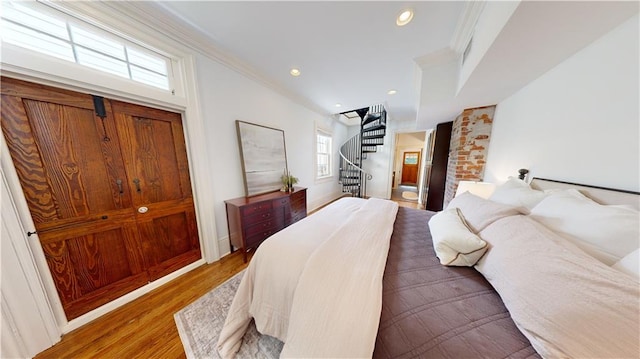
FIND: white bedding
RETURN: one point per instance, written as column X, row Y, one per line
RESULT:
column 317, row 285
column 568, row 304
column 311, row 284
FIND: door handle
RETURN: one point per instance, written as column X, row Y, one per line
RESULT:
column 119, row 183
column 137, row 183
column 143, row 209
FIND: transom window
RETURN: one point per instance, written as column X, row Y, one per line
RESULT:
column 411, row 158
column 36, row 27
column 323, row 153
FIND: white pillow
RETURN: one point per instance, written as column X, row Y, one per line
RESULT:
column 630, row 264
column 607, row 233
column 453, row 241
column 479, row 212
column 517, row 193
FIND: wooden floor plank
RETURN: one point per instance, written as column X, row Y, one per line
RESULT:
column 145, row 327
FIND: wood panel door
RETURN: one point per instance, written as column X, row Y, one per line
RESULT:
column 85, row 179
column 75, row 185
column 410, row 166
column 155, row 157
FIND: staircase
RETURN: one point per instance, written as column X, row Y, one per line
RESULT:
column 373, row 124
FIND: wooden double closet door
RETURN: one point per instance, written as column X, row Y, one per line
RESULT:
column 107, row 184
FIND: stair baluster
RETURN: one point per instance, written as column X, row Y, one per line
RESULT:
column 353, row 152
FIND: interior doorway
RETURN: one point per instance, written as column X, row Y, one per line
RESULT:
column 408, row 167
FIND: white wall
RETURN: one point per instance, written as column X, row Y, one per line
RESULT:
column 227, row 96
column 579, row 122
column 491, row 21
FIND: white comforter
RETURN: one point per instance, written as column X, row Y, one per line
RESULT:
column 317, row 285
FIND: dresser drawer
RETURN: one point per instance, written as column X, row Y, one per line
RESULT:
column 297, row 205
column 281, row 202
column 298, row 196
column 258, row 217
column 256, row 239
column 251, row 220
column 273, row 223
column 259, row 207
column 297, row 217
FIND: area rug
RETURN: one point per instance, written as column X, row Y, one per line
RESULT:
column 199, row 325
column 410, row 195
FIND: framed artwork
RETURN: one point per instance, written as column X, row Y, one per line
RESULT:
column 263, row 155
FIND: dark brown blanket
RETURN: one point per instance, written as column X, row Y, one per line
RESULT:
column 433, row 311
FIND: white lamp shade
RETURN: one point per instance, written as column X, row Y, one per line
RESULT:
column 480, row 189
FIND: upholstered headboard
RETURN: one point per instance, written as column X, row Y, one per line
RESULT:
column 599, row 194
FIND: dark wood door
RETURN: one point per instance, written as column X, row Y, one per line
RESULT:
column 80, row 173
column 438, row 175
column 155, row 157
column 410, row 166
column 71, row 177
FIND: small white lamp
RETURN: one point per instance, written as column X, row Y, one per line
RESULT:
column 480, row 189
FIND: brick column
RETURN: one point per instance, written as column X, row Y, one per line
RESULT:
column 468, row 148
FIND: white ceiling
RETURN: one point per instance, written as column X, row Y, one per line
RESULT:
column 352, row 53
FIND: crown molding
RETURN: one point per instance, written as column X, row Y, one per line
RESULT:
column 147, row 20
column 461, row 37
column 466, row 25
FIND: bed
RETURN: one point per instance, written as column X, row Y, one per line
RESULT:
column 364, row 278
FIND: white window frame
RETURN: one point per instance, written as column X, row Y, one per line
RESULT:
column 76, row 48
column 328, row 134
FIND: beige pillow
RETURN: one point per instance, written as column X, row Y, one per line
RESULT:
column 479, row 212
column 453, row 241
column 607, row 233
column 517, row 193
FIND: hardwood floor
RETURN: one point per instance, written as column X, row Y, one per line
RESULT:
column 145, row 327
column 413, row 205
column 396, row 196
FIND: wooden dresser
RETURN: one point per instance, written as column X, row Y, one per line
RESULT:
column 252, row 219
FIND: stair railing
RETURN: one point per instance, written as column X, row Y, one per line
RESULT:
column 351, row 159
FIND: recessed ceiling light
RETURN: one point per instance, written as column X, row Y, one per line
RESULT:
column 294, row 72
column 338, row 105
column 404, row 17
column 392, row 92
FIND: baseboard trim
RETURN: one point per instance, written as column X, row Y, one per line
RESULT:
column 224, row 246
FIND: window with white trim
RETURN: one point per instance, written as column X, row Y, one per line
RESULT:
column 37, row 27
column 323, row 154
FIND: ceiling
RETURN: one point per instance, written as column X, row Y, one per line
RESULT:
column 350, row 53
column 353, row 53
